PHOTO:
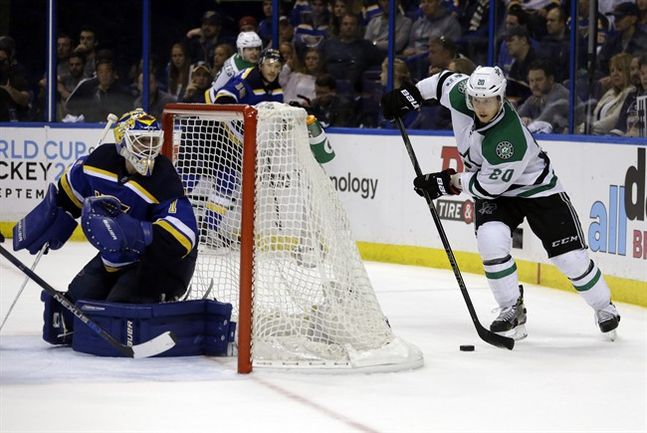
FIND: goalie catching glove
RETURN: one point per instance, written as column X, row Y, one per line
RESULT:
column 111, row 230
column 445, row 182
column 399, row 102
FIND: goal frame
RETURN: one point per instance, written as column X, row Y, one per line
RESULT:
column 250, row 116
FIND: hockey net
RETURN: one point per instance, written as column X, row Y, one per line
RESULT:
column 275, row 242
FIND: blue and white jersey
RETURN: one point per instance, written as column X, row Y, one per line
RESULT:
column 158, row 199
column 248, row 88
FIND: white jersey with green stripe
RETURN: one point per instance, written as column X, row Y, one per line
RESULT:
column 501, row 158
column 232, row 66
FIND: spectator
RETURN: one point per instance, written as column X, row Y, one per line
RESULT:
column 313, row 27
column 462, row 65
column 63, row 51
column 97, row 97
column 441, row 52
column 583, row 23
column 556, row 45
column 377, row 30
column 178, row 70
column 298, row 85
column 14, row 89
column 200, row 83
column 157, row 98
column 328, row 107
column 546, row 110
column 220, row 55
column 339, row 10
column 88, row 43
column 202, row 43
column 247, row 24
column 518, row 42
column 607, row 110
column 515, row 16
column 265, row 25
column 348, row 56
column 286, row 30
column 65, row 86
column 642, row 14
column 473, row 17
column 628, row 38
column 436, row 20
column 628, row 123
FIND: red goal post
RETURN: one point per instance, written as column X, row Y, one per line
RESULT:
column 275, row 242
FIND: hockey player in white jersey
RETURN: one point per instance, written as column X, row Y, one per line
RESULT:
column 249, row 46
column 510, row 178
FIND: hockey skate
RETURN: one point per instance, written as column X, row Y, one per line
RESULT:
column 608, row 320
column 511, row 320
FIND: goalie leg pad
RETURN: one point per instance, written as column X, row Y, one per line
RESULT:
column 200, row 326
column 58, row 321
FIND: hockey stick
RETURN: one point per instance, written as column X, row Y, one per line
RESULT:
column 24, row 283
column 485, row 334
column 155, row 346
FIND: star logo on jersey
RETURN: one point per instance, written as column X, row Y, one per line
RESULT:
column 461, row 87
column 504, row 150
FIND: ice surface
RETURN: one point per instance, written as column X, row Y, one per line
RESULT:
column 565, row 377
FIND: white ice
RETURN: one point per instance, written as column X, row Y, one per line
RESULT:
column 565, row 377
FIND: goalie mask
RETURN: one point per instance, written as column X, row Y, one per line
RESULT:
column 485, row 82
column 139, row 140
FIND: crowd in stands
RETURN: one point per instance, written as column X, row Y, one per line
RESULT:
column 335, row 62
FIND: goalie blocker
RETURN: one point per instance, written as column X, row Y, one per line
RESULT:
column 201, row 327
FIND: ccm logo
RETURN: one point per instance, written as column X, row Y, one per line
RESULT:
column 411, row 99
column 565, row 241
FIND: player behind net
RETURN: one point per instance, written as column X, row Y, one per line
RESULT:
column 511, row 179
column 133, row 210
column 215, row 178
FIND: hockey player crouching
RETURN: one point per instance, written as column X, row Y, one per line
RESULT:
column 132, row 209
column 510, row 178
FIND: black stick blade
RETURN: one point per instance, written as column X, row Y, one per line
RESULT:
column 495, row 339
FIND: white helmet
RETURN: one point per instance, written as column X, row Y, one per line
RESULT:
column 248, row 40
column 485, row 82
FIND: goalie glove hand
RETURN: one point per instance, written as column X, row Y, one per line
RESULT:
column 111, row 230
column 399, row 102
column 436, row 184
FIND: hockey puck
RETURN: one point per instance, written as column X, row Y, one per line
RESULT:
column 466, row 348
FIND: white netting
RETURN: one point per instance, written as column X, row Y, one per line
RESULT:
column 313, row 304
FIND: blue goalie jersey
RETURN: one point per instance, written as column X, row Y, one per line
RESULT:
column 158, row 199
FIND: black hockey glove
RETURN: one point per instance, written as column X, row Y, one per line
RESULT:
column 436, row 184
column 399, row 102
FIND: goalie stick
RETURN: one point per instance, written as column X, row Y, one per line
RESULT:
column 155, row 346
column 110, row 120
column 24, row 283
column 485, row 334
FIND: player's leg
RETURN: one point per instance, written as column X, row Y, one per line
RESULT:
column 495, row 220
column 92, row 282
column 139, row 285
column 555, row 222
